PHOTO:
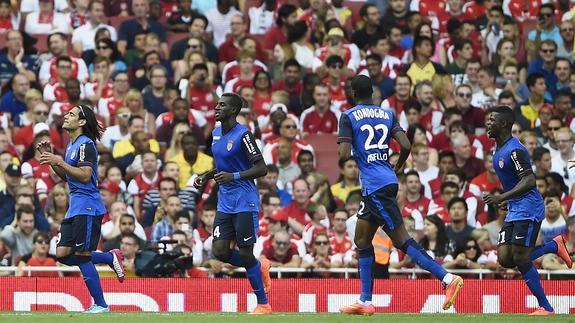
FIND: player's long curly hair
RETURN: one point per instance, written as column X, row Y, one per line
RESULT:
column 93, row 128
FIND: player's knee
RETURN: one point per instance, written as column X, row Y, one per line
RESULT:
column 222, row 252
column 520, row 258
column 505, row 262
column 361, row 242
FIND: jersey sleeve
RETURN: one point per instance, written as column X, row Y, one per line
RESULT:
column 87, row 155
column 250, row 147
column 521, row 163
column 345, row 129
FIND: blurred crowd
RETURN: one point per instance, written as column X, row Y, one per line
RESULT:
column 153, row 71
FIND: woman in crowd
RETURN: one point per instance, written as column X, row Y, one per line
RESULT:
column 38, row 258
column 57, row 206
column 434, row 240
column 321, row 256
column 135, row 102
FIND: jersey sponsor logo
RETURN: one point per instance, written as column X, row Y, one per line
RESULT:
column 501, row 163
column 518, row 166
column 82, row 154
column 249, row 145
column 230, row 145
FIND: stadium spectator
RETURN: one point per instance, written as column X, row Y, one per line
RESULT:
column 371, row 18
column 38, row 257
column 119, row 131
column 286, row 17
column 546, row 29
column 14, row 100
column 40, row 176
column 128, row 152
column 288, row 169
column 401, row 89
column 414, row 199
column 487, row 181
column 219, row 18
column 166, row 216
column 320, row 191
column 235, row 41
column 555, row 223
column 129, row 246
column 542, row 161
column 282, row 252
column 24, row 137
column 297, row 209
column 496, row 216
column 566, row 29
column 47, row 20
column 488, row 94
column 141, row 21
column 174, row 124
column 434, row 239
column 15, row 60
column 560, row 162
column 448, row 190
column 83, row 37
column 472, row 166
column 472, row 257
column 321, row 256
column 472, row 116
column 56, row 207
column 191, row 160
column 58, row 47
column 458, row 231
column 322, row 116
column 271, row 178
column 181, row 19
column 19, row 236
column 348, row 179
column 155, row 200
column 197, row 30
column 319, row 223
column 145, row 180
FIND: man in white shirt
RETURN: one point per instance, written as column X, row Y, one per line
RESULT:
column 58, row 46
column 560, row 162
column 487, row 97
column 119, row 131
column 83, row 36
column 220, row 20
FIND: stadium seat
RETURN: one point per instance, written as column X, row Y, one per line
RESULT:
column 175, row 37
column 325, row 147
column 117, row 21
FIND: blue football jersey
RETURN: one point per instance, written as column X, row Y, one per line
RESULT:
column 236, row 151
column 511, row 163
column 369, row 129
column 84, row 198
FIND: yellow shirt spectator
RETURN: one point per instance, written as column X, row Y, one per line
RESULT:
column 204, row 163
column 341, row 190
column 125, row 147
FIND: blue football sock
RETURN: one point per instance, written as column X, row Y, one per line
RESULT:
column 255, row 277
column 102, row 258
column 549, row 247
column 365, row 262
column 422, row 259
column 92, row 281
column 531, row 278
column 236, row 259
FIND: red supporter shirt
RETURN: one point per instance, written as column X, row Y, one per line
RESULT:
column 205, row 101
column 113, row 105
column 204, row 234
column 474, row 10
column 35, row 262
column 524, row 8
column 342, row 246
column 314, row 123
column 422, row 205
column 5, row 25
column 297, row 146
column 435, row 186
column 297, row 213
column 234, row 71
column 54, row 68
column 337, row 93
column 42, row 172
column 274, row 36
column 292, row 91
column 484, row 184
column 396, row 104
column 228, row 51
column 262, row 105
column 58, row 91
column 141, row 185
column 431, row 7
column 25, row 137
column 269, row 252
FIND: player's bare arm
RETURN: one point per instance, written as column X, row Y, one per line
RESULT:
column 199, row 181
column 525, row 184
column 405, row 145
column 344, row 150
column 82, row 174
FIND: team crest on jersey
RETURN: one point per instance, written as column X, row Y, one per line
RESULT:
column 73, row 155
column 230, row 145
column 501, row 163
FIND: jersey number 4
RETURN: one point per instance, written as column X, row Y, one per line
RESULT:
column 217, row 232
column 371, row 132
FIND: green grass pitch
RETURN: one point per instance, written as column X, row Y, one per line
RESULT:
column 39, row 317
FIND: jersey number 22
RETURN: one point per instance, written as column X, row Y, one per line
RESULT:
column 371, row 132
